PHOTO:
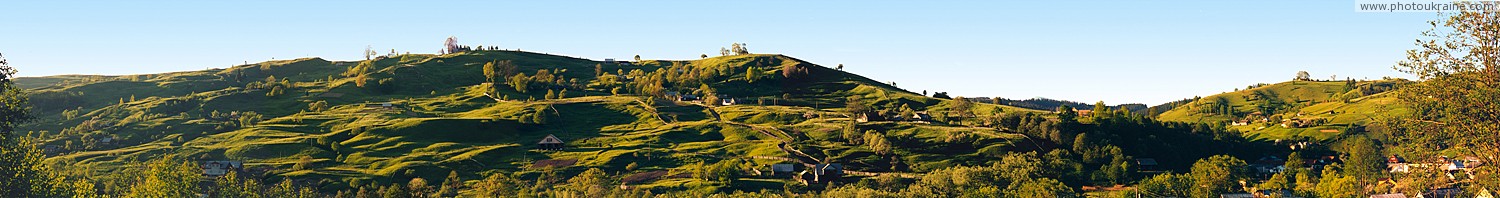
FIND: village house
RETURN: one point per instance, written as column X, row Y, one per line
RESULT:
column 1084, row 112
column 868, row 117
column 728, row 101
column 1396, row 164
column 1268, row 165
column 1146, row 164
column 550, row 143
column 220, row 168
column 687, row 97
column 921, row 117
column 827, row 172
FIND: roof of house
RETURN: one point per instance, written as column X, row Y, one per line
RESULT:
column 1146, row 161
column 550, row 139
column 824, row 169
column 222, row 164
column 783, row 167
column 1395, row 195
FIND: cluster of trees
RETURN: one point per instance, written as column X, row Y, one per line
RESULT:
column 677, row 77
column 724, row 171
column 1014, row 175
column 538, row 115
column 237, row 118
column 1018, row 175
column 271, row 84
column 318, row 106
column 1108, row 142
column 360, row 72
column 496, row 71
column 734, row 49
column 1220, row 174
column 543, row 79
column 1216, row 105
column 1267, row 103
column 55, row 100
column 1302, row 76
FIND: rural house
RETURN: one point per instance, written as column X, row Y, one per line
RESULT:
column 1084, row 112
column 921, row 117
column 687, row 97
column 220, row 168
column 827, row 172
column 550, row 143
column 1146, row 164
column 869, row 117
column 729, row 101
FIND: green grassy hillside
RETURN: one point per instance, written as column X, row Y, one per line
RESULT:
column 309, row 119
column 1311, row 109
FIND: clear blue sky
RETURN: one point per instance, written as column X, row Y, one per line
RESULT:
column 1115, row 51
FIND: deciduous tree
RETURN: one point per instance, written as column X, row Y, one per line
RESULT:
column 1456, row 106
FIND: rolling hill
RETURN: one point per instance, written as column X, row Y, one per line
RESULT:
column 339, row 125
column 1309, row 109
